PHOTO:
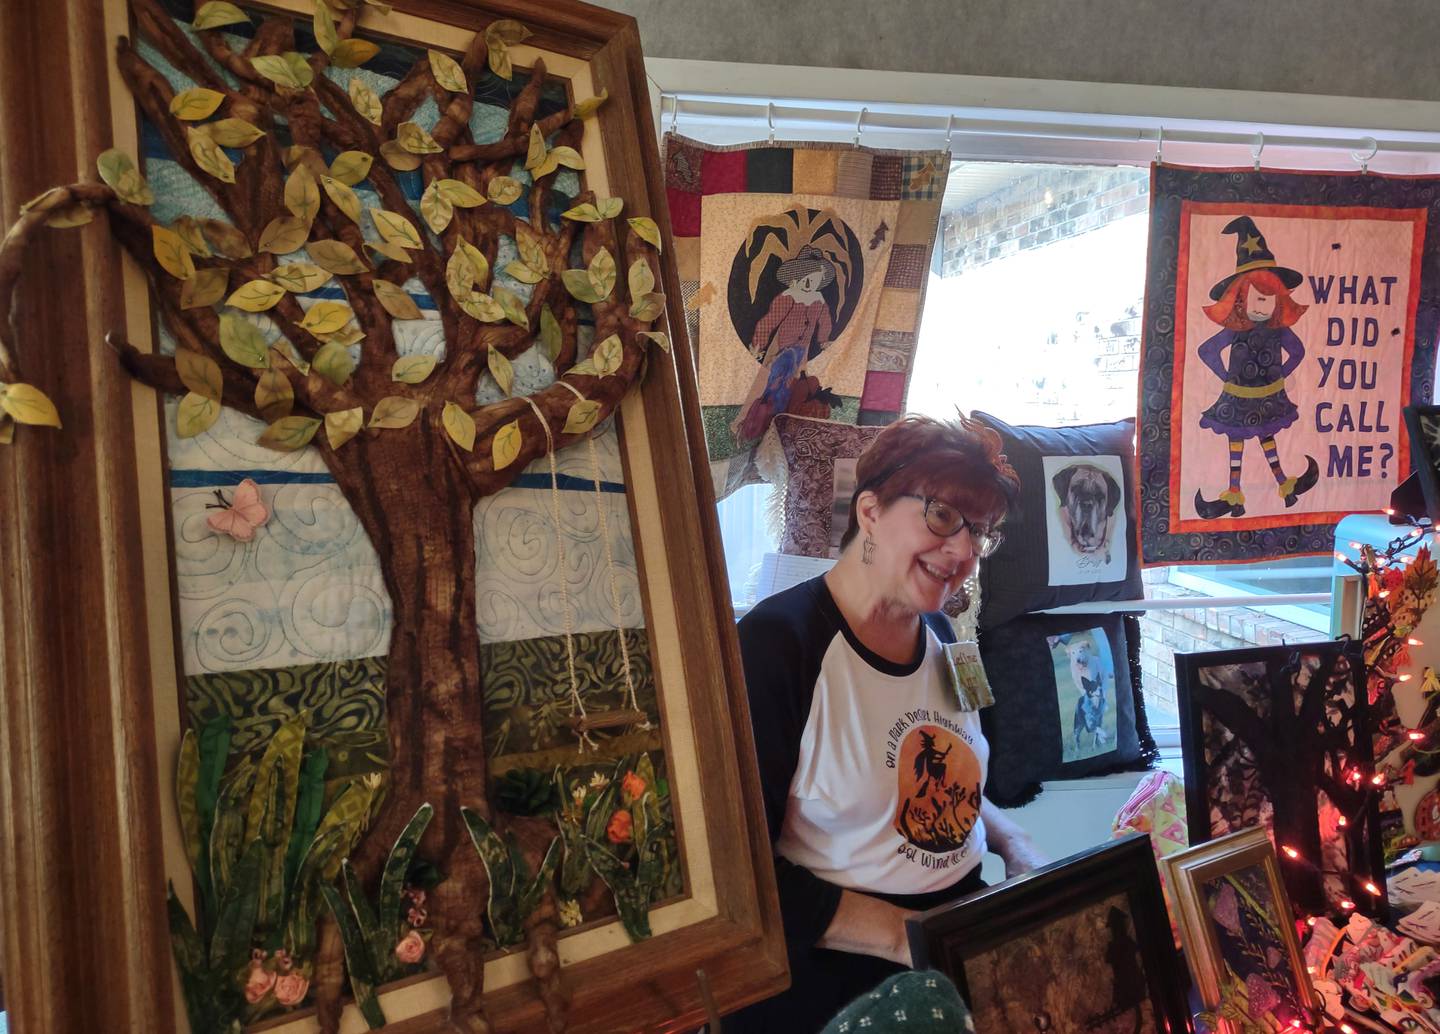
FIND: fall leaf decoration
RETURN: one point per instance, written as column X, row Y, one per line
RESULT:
column 283, row 293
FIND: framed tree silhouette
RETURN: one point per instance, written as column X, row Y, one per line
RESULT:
column 413, row 688
column 1277, row 737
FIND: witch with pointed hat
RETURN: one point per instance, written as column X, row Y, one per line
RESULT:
column 1254, row 307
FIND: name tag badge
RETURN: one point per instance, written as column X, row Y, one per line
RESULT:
column 967, row 675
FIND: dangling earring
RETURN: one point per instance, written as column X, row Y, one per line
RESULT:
column 957, row 604
column 867, row 550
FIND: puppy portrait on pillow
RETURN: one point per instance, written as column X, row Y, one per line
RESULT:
column 1085, row 517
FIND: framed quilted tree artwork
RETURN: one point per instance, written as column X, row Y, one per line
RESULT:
column 368, row 655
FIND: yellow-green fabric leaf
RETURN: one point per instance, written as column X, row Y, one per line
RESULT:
column 289, row 433
column 199, row 373
column 352, row 53
column 536, row 151
column 504, row 190
column 242, row 341
column 447, row 72
column 588, row 107
column 216, row 13
column 302, row 194
column 520, row 271
column 580, row 286
column 602, row 272
column 326, row 318
column 234, row 132
column 195, row 415
column 343, row 425
column 513, row 308
column 413, row 369
column 568, row 157
column 608, row 355
column 391, row 250
column 284, row 70
column 188, row 227
column 505, row 446
column 343, row 197
column 336, row 256
column 366, row 101
column 478, row 261
column 171, row 253
column 498, row 56
column 583, row 416
column 459, row 194
column 396, row 301
column 394, row 411
column 551, row 339
column 326, row 34
column 507, row 30
column 71, row 217
column 226, row 239
column 459, row 425
column 532, row 253
column 205, row 288
column 435, row 210
column 350, row 167
column 256, row 296
column 195, row 104
column 118, row 171
column 482, row 307
column 501, row 370
column 648, row 307
column 586, row 213
column 274, row 397
column 610, row 207
column 299, row 277
column 284, row 234
column 415, row 139
column 646, row 229
column 659, row 337
column 398, row 158
column 396, row 228
column 332, row 361
column 27, row 404
column 641, row 279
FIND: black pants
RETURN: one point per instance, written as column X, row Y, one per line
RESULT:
column 822, row 982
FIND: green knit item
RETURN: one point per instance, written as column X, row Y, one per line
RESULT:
column 907, row 1003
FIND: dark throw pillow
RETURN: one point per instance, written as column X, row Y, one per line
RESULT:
column 1067, row 702
column 1072, row 537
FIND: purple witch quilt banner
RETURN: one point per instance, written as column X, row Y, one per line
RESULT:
column 803, row 267
column 1289, row 318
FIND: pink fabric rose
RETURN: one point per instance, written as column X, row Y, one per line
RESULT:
column 411, row 948
column 1225, row 907
column 1263, row 997
column 259, row 983
column 290, row 989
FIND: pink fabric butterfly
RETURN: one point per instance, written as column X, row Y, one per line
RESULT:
column 239, row 518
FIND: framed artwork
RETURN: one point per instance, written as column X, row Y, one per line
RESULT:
column 366, row 631
column 1275, row 737
column 1423, row 423
column 1239, row 938
column 1094, row 924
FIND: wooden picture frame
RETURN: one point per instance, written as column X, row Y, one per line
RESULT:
column 1423, row 424
column 1247, row 857
column 1039, row 919
column 1241, row 698
column 87, row 609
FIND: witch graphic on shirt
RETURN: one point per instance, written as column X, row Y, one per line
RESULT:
column 1252, row 356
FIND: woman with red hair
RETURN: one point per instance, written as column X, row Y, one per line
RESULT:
column 1254, row 307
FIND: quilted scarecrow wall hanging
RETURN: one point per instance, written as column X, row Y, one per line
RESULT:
column 434, row 734
column 1290, row 317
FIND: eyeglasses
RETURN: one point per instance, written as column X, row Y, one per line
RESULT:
column 944, row 521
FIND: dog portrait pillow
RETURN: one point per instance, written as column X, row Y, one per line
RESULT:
column 1067, row 701
column 1071, row 539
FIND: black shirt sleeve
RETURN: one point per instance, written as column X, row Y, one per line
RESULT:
column 782, row 642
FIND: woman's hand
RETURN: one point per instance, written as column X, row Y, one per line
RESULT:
column 1021, row 856
column 869, row 926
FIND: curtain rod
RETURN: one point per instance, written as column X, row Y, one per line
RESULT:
column 948, row 123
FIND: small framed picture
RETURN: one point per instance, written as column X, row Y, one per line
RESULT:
column 1423, row 423
column 1235, row 920
column 1081, row 944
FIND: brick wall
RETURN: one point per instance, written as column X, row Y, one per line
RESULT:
column 1019, row 217
column 1164, row 633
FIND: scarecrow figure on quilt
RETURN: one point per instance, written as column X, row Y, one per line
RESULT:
column 1255, row 308
column 795, row 328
